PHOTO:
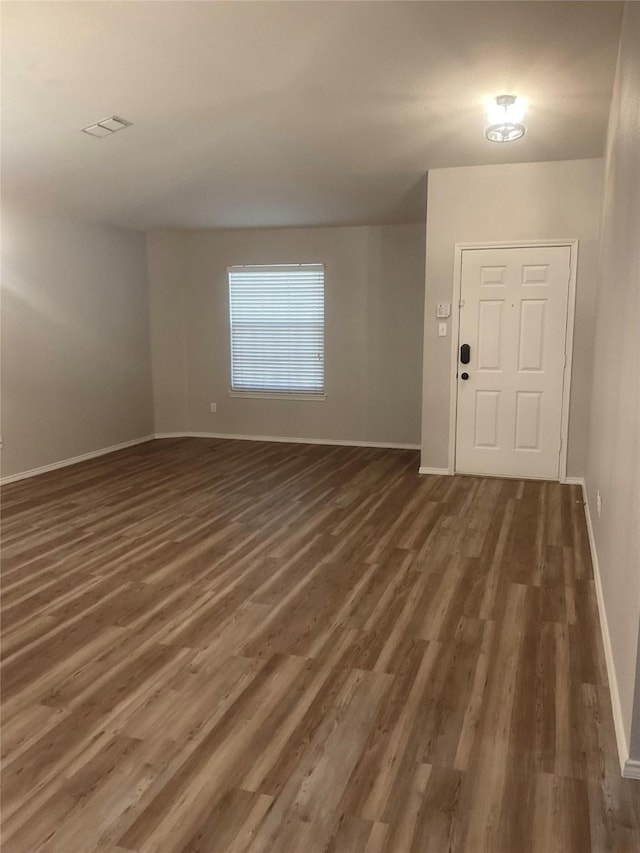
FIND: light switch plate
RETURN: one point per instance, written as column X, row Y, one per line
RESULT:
column 442, row 330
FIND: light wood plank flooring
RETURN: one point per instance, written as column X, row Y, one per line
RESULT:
column 234, row 647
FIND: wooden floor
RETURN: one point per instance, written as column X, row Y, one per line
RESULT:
column 234, row 647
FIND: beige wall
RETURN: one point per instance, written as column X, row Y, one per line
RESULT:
column 373, row 303
column 524, row 201
column 167, row 300
column 75, row 340
column 613, row 462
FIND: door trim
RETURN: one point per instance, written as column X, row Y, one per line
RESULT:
column 572, row 244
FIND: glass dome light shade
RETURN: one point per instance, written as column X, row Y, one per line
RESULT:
column 505, row 116
column 505, row 132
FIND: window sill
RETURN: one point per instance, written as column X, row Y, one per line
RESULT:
column 275, row 395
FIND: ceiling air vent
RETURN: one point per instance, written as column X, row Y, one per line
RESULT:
column 107, row 126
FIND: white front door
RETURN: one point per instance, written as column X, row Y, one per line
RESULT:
column 513, row 318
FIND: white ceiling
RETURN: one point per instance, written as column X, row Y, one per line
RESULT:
column 250, row 114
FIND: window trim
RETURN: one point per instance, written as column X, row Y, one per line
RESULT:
column 269, row 394
column 277, row 395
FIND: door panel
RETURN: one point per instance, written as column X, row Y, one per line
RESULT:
column 531, row 344
column 513, row 315
column 528, row 408
column 486, row 419
column 489, row 343
column 535, row 274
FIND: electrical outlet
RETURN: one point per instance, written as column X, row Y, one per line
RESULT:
column 598, row 502
column 212, row 408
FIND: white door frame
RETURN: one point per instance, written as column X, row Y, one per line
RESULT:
column 568, row 345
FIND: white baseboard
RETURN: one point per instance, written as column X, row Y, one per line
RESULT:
column 63, row 463
column 631, row 769
column 627, row 766
column 288, row 440
column 574, row 481
column 441, row 472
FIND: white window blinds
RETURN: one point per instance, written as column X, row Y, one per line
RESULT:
column 277, row 328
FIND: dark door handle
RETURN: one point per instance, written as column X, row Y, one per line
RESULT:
column 465, row 354
column 464, row 376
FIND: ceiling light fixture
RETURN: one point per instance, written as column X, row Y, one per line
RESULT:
column 505, row 119
column 107, row 126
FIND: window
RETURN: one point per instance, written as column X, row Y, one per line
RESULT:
column 277, row 329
